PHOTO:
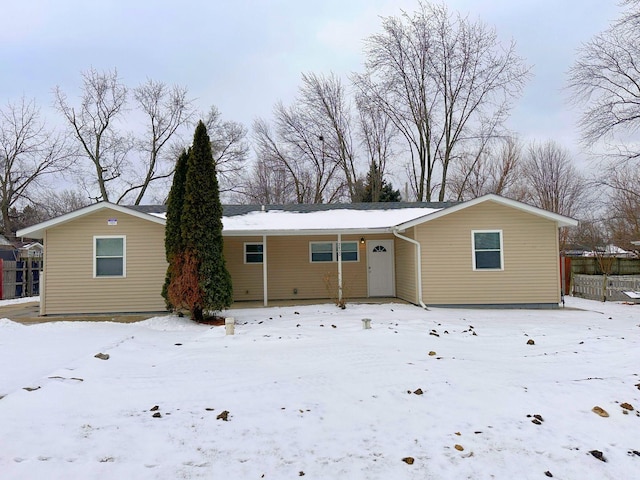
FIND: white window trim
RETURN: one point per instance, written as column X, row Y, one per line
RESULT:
column 334, row 254
column 473, row 251
column 253, row 253
column 124, row 256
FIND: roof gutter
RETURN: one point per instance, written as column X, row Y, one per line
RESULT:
column 418, row 263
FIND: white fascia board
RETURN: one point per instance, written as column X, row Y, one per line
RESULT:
column 37, row 231
column 313, row 232
column 561, row 220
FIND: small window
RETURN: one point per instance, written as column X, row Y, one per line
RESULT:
column 328, row 251
column 253, row 253
column 109, row 256
column 349, row 251
column 379, row 249
column 487, row 250
column 322, row 252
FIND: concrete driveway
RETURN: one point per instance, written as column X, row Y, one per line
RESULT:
column 29, row 313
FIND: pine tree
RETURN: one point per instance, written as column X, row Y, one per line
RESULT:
column 376, row 189
column 172, row 233
column 200, row 282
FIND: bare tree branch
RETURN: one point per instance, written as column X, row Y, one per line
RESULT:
column 93, row 125
column 28, row 152
column 552, row 180
column 605, row 81
column 439, row 78
column 230, row 151
column 166, row 110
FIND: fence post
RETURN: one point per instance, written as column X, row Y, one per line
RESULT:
column 1, row 279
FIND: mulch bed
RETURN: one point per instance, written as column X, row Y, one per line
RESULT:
column 216, row 321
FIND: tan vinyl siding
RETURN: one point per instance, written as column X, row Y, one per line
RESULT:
column 69, row 283
column 531, row 271
column 289, row 268
column 246, row 278
column 406, row 272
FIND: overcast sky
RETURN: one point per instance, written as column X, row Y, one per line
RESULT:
column 245, row 55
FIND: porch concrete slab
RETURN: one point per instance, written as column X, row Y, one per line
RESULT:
column 316, row 301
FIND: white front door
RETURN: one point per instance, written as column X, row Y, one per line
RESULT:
column 380, row 267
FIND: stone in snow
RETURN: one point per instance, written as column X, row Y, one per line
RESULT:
column 600, row 411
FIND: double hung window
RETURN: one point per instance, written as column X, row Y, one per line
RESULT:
column 109, row 256
column 487, row 250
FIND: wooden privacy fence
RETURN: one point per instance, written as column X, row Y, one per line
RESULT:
column 20, row 278
column 615, row 266
column 601, row 287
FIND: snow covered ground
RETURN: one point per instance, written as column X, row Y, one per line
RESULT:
column 310, row 393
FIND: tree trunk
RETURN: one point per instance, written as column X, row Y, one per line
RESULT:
column 197, row 314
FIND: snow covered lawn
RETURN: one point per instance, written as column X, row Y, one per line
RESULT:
column 310, row 393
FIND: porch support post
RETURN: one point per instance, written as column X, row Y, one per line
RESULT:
column 339, row 253
column 265, row 286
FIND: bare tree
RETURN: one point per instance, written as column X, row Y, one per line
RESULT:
column 377, row 135
column 297, row 149
column 441, row 79
column 28, row 152
column 274, row 161
column 553, row 182
column 623, row 206
column 311, row 143
column 54, row 203
column 230, row 151
column 93, row 124
column 166, row 110
column 268, row 186
column 322, row 100
column 46, row 204
column 493, row 168
column 605, row 80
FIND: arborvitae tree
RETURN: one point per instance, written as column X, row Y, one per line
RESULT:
column 172, row 233
column 376, row 189
column 200, row 280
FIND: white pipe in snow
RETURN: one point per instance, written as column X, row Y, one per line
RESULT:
column 229, row 325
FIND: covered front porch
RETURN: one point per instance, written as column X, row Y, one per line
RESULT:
column 306, row 268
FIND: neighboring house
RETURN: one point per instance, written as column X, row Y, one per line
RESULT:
column 490, row 251
column 610, row 251
column 33, row 250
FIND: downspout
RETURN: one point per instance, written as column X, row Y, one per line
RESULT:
column 339, row 252
column 265, row 286
column 418, row 262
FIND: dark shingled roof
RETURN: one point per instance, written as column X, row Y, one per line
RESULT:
column 233, row 210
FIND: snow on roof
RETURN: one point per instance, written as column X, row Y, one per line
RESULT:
column 277, row 220
column 272, row 221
